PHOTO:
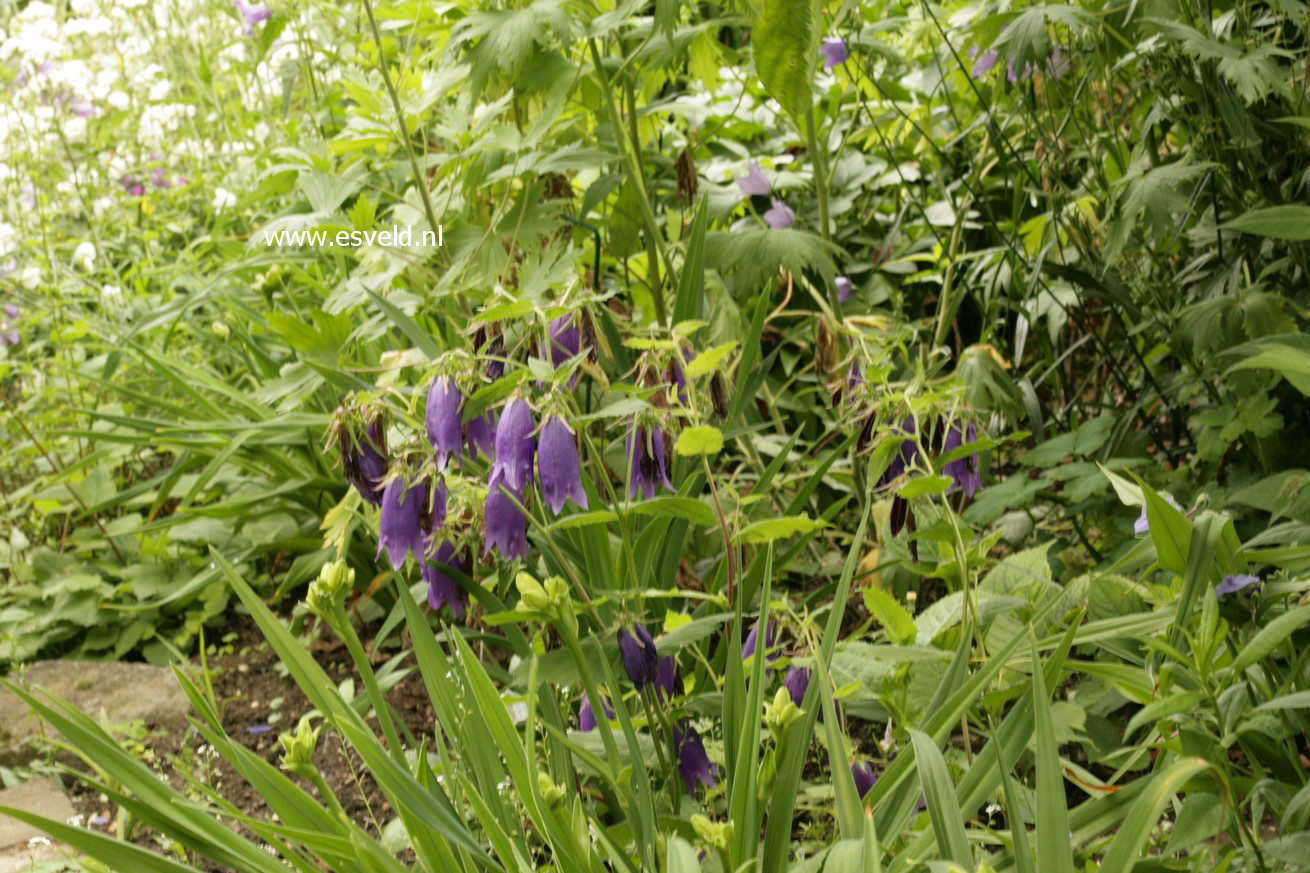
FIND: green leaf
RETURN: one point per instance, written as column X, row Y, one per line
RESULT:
column 1136, row 828
column 785, row 41
column 779, row 528
column 943, row 804
column 1271, row 636
column 1287, row 222
column 677, row 507
column 757, row 255
column 891, row 615
column 702, row 440
column 1054, row 853
column 709, row 360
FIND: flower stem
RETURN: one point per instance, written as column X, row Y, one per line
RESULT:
column 820, row 163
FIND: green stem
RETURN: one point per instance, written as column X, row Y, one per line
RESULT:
column 346, row 630
column 820, row 161
column 944, row 305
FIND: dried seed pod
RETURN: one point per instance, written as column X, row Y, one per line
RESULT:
column 687, row 183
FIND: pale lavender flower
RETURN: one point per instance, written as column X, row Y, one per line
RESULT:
column 754, row 183
column 514, row 445
column 557, row 466
column 779, row 216
column 1234, row 583
column 441, row 414
column 252, row 14
column 399, row 531
column 834, row 52
column 983, row 61
column 9, row 326
column 1143, row 524
column 844, row 289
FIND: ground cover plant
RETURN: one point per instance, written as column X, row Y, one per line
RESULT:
column 808, row 436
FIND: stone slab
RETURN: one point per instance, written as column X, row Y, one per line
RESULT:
column 125, row 692
column 21, row 845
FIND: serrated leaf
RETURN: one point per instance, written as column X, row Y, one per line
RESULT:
column 708, row 361
column 779, row 528
column 1287, row 222
column 785, row 42
column 891, row 615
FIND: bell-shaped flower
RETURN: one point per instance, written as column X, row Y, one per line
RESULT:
column 983, row 61
column 514, row 445
column 754, row 183
column 667, row 685
column 587, row 716
column 1143, row 524
column 964, row 471
column 640, row 660
column 1235, row 582
column 565, row 342
column 752, row 639
column 558, row 467
column 363, row 455
column 779, row 216
column 797, row 683
column 400, row 530
column 646, row 464
column 693, row 762
column 9, row 326
column 442, row 589
column 834, row 51
column 442, row 416
column 481, row 435
column 864, row 777
column 844, row 289
column 506, row 525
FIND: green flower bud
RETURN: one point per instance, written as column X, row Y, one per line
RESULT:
column 780, row 715
column 329, row 590
column 298, row 747
column 716, row 835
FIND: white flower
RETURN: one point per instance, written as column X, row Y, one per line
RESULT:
column 85, row 255
column 111, row 294
column 118, row 100
column 223, row 199
column 30, row 277
column 8, row 239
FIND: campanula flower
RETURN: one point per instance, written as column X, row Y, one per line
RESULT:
column 693, row 762
column 481, row 434
column 834, row 52
column 558, row 467
column 495, row 357
column 363, row 455
column 399, row 530
column 864, row 778
column 1235, row 582
column 666, row 679
column 640, row 660
column 514, row 445
column 748, row 647
column 506, row 525
column 1143, row 524
column 964, row 471
column 9, row 326
column 983, row 61
column 253, row 14
column 442, row 416
column 844, row 289
column 646, row 461
column 797, row 683
column 754, row 183
column 565, row 342
column 442, row 589
column 779, row 216
column 587, row 716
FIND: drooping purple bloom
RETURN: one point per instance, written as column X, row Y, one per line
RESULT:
column 399, row 530
column 506, row 525
column 678, row 377
column 844, row 289
column 666, row 679
column 481, row 434
column 693, row 762
column 441, row 413
column 1058, row 65
column 558, row 467
column 864, row 778
column 1143, row 524
column 514, row 445
column 364, row 455
column 983, row 61
column 964, row 471
column 1235, row 582
column 159, row 178
column 779, row 216
column 640, row 659
column 253, row 14
column 442, row 589
column 9, row 326
column 797, row 683
column 834, row 52
column 565, row 342
column 495, row 356
column 752, row 637
column 587, row 716
column 754, row 183
column 646, row 461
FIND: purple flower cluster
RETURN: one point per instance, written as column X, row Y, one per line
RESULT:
column 985, row 60
column 9, row 325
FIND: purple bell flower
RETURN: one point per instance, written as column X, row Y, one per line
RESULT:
column 1235, row 582
column 779, row 216
column 844, row 289
column 442, row 416
column 666, row 679
column 748, row 647
column 506, row 525
column 797, row 683
column 495, row 354
column 983, row 61
column 864, row 777
column 964, row 471
column 399, row 530
column 8, row 326
column 565, row 342
column 754, row 183
column 442, row 589
column 646, row 462
column 514, row 445
column 364, row 456
column 253, row 14
column 693, row 762
column 1143, row 524
column 587, row 716
column 481, row 434
column 640, row 660
column 834, row 51
column 558, row 467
